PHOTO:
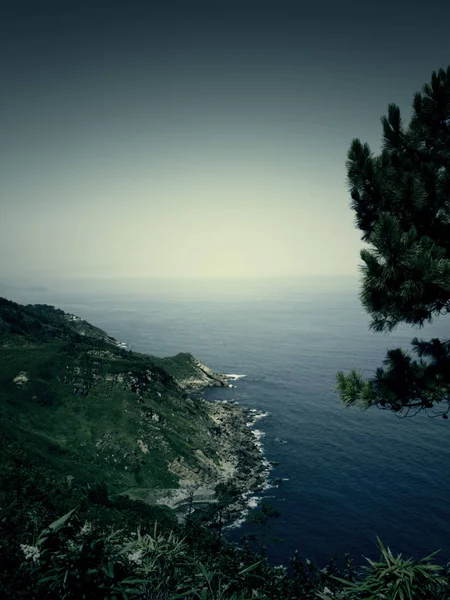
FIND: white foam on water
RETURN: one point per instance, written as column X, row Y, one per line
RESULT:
column 254, row 501
column 250, row 497
column 269, row 486
column 261, row 415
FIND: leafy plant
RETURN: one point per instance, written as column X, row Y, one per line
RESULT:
column 158, row 558
column 85, row 563
column 213, row 587
column 393, row 578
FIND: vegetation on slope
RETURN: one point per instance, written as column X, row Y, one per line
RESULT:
column 88, row 407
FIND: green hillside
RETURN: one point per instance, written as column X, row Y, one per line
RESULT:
column 93, row 410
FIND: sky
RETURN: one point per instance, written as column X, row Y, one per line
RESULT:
column 185, row 139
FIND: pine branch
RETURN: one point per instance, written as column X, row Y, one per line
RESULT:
column 401, row 201
column 402, row 383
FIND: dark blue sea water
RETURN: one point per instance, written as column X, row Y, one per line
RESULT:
column 350, row 475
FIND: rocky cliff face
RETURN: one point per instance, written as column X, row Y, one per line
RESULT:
column 200, row 376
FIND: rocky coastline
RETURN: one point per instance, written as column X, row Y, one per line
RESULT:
column 138, row 422
column 234, row 454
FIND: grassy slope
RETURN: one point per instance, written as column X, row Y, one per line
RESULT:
column 91, row 409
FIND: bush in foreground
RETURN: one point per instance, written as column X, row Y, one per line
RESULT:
column 67, row 561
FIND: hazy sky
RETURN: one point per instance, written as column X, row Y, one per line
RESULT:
column 196, row 139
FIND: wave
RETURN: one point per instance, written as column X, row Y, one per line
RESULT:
column 258, row 433
column 252, row 500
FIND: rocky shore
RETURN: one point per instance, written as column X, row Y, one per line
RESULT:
column 200, row 377
column 234, row 454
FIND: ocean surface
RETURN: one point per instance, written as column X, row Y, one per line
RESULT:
column 348, row 475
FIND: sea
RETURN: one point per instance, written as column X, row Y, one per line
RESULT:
column 342, row 476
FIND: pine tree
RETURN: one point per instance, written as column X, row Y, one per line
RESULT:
column 402, row 203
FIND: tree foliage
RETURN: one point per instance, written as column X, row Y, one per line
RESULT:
column 402, row 207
